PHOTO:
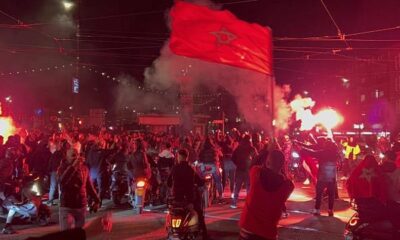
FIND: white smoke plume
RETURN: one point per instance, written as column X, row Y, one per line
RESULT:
column 251, row 90
column 131, row 94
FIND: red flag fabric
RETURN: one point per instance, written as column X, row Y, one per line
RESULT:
column 218, row 36
column 367, row 181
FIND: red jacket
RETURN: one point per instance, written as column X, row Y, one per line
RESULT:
column 265, row 201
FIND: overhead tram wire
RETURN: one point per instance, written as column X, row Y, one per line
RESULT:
column 339, row 31
column 334, row 40
column 26, row 26
column 335, row 48
column 127, row 37
column 103, row 17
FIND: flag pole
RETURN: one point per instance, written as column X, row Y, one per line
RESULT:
column 272, row 86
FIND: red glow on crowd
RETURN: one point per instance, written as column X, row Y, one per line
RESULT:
column 7, row 127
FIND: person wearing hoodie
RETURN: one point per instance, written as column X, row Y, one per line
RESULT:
column 243, row 157
column 392, row 176
column 269, row 190
column 327, row 156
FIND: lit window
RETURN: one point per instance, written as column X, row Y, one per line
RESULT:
column 362, row 98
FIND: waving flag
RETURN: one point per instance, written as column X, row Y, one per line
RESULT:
column 218, row 36
column 367, row 181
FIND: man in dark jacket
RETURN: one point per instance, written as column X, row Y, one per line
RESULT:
column 327, row 156
column 97, row 166
column 183, row 181
column 242, row 157
column 75, row 185
column 54, row 163
column 138, row 161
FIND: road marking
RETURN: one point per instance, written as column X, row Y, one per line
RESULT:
column 309, row 213
column 279, row 225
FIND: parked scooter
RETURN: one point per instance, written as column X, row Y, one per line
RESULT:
column 295, row 167
column 210, row 191
column 182, row 221
column 140, row 188
column 119, row 187
column 373, row 223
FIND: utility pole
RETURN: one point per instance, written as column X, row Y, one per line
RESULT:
column 186, row 100
column 76, row 78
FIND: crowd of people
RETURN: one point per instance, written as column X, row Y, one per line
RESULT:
column 79, row 167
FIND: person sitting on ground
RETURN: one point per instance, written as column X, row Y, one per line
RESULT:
column 26, row 206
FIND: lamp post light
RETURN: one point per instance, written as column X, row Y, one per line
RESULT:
column 68, row 5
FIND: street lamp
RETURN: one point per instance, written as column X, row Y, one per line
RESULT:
column 68, row 5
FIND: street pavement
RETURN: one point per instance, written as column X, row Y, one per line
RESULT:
column 221, row 221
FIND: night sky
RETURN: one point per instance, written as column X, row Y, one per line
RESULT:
column 125, row 36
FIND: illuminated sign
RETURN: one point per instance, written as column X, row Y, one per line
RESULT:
column 75, row 85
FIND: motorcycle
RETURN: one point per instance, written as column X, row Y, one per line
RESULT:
column 140, row 188
column 182, row 221
column 210, row 191
column 296, row 169
column 31, row 209
column 371, row 224
column 119, row 187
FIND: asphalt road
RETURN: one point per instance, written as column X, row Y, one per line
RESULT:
column 221, row 221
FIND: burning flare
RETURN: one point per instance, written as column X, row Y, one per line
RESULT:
column 7, row 127
column 328, row 118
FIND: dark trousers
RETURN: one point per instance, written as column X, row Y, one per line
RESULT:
column 330, row 187
column 242, row 178
column 97, row 180
column 197, row 207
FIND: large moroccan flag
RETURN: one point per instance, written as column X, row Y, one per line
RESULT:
column 218, row 36
column 367, row 181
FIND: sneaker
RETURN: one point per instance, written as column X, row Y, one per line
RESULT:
column 8, row 230
column 343, row 178
column 316, row 212
column 233, row 206
column 330, row 213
